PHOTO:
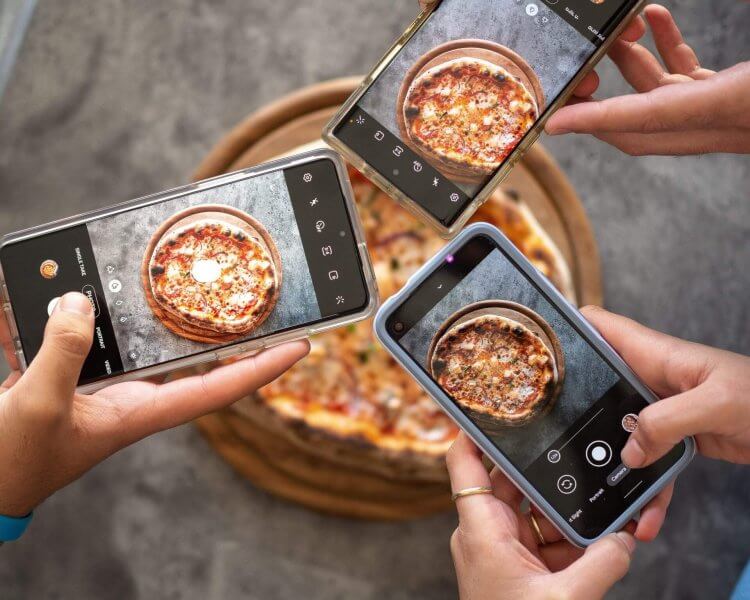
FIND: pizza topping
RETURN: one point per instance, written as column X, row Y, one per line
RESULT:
column 213, row 275
column 494, row 365
column 469, row 111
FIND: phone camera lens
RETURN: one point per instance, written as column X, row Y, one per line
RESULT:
column 398, row 327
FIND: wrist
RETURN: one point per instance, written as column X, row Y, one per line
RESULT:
column 12, row 528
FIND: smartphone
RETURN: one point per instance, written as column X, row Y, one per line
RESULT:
column 529, row 379
column 199, row 273
column 454, row 104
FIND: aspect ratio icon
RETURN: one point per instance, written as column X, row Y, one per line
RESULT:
column 327, row 250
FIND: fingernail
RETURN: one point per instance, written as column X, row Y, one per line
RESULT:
column 628, row 540
column 75, row 303
column 632, row 454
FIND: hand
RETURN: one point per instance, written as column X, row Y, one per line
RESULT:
column 706, row 392
column 50, row 435
column 497, row 554
column 680, row 109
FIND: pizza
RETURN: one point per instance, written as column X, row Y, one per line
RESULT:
column 214, row 277
column 495, row 366
column 349, row 400
column 468, row 114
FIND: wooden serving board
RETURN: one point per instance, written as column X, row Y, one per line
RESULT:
column 276, row 464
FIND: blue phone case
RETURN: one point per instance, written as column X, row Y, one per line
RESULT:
column 588, row 332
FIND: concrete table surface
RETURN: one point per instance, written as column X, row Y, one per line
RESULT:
column 115, row 99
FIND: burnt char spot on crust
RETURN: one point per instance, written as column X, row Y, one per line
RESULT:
column 411, row 111
column 497, row 76
column 157, row 270
column 513, row 194
column 438, row 366
column 239, row 236
column 519, row 331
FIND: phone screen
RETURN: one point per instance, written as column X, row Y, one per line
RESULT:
column 527, row 377
column 466, row 88
column 207, row 269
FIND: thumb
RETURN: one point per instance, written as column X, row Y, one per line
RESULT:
column 602, row 565
column 666, row 364
column 54, row 372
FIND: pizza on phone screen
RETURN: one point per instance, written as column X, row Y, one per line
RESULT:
column 214, row 277
column 468, row 114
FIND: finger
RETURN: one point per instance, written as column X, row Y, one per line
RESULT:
column 653, row 515
column 638, row 66
column 663, row 424
column 651, row 354
column 679, row 143
column 466, row 470
column 53, row 374
column 550, row 533
column 686, row 104
column 505, row 490
column 677, row 55
column 588, row 85
column 602, row 565
column 7, row 343
column 559, row 555
column 634, row 30
column 10, row 381
column 186, row 399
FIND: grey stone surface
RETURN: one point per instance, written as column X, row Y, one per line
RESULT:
column 266, row 198
column 118, row 98
column 587, row 376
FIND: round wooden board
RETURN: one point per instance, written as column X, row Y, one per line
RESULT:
column 277, row 465
column 227, row 214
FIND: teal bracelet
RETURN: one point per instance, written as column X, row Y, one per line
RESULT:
column 12, row 528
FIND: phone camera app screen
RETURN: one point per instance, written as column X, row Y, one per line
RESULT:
column 467, row 87
column 523, row 374
column 207, row 269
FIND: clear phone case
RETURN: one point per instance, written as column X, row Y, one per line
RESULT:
column 241, row 347
column 483, row 194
